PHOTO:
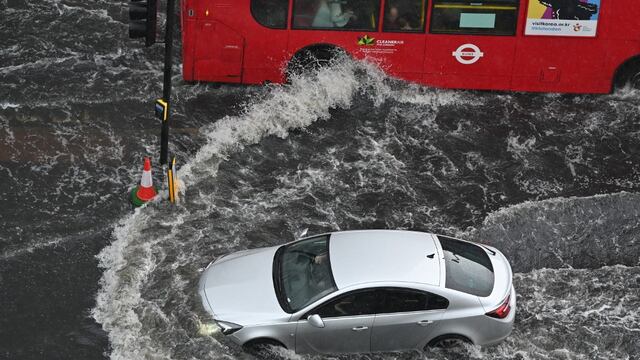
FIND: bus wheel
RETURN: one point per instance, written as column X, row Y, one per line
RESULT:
column 634, row 82
column 628, row 75
column 631, row 79
column 311, row 59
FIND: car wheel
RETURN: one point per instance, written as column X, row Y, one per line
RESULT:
column 451, row 342
column 265, row 349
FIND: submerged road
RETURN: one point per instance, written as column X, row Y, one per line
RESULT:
column 551, row 180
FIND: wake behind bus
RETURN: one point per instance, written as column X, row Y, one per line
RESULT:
column 566, row 46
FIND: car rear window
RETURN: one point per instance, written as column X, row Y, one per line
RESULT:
column 468, row 267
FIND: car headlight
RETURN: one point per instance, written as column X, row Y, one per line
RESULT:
column 207, row 329
column 228, row 328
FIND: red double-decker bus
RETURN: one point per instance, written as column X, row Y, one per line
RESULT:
column 573, row 46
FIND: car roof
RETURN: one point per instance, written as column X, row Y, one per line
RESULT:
column 368, row 256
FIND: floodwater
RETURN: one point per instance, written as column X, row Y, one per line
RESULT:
column 551, row 180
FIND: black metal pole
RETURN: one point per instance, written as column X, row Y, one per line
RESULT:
column 166, row 91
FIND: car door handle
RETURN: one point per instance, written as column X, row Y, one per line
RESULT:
column 360, row 328
column 425, row 322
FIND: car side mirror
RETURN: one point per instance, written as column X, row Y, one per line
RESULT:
column 315, row 320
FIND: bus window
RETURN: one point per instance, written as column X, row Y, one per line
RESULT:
column 336, row 14
column 495, row 17
column 270, row 13
column 404, row 16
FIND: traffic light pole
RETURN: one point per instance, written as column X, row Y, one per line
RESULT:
column 142, row 24
column 166, row 91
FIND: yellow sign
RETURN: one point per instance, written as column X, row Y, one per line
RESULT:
column 162, row 109
column 173, row 182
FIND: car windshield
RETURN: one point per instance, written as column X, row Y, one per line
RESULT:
column 468, row 267
column 302, row 273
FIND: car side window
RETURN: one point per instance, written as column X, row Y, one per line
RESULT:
column 365, row 302
column 436, row 302
column 405, row 300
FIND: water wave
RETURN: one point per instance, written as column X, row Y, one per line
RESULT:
column 391, row 172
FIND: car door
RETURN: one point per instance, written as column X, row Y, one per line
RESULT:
column 347, row 318
column 406, row 319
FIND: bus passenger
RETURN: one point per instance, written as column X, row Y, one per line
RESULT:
column 304, row 12
column 330, row 14
column 394, row 21
column 366, row 13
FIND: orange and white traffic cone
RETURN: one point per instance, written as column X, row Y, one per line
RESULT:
column 144, row 192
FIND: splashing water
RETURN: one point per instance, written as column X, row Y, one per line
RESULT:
column 550, row 179
column 386, row 155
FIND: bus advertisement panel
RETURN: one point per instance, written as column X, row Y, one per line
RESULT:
column 563, row 18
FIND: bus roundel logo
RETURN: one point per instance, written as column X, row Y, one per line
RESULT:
column 468, row 54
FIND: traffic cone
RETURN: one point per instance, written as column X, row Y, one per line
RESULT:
column 144, row 192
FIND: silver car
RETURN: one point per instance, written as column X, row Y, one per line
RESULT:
column 362, row 291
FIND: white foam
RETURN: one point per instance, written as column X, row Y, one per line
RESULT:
column 626, row 93
column 133, row 257
column 127, row 263
column 41, row 63
column 129, row 260
column 31, row 247
column 8, row 105
column 502, row 214
column 298, row 105
column 520, row 147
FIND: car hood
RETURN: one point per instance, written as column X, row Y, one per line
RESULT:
column 238, row 288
